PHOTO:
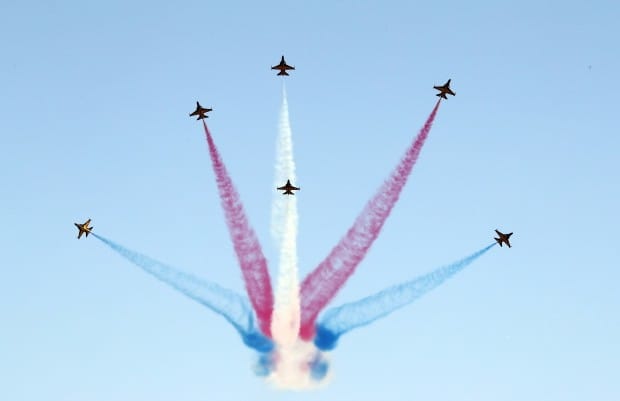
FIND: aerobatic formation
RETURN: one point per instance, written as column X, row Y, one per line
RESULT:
column 200, row 111
column 288, row 188
column 83, row 228
column 503, row 238
column 285, row 322
column 282, row 67
column 444, row 90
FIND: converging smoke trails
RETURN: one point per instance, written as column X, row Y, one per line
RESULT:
column 284, row 223
column 251, row 259
column 222, row 301
column 342, row 319
column 322, row 284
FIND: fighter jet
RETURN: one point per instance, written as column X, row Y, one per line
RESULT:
column 288, row 188
column 503, row 238
column 282, row 67
column 444, row 89
column 84, row 229
column 200, row 111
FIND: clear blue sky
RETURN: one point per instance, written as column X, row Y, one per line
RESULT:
column 94, row 104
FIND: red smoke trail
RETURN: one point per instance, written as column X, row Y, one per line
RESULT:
column 321, row 285
column 251, row 259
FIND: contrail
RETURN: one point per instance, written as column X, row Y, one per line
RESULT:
column 251, row 259
column 284, row 169
column 222, row 301
column 322, row 284
column 284, row 223
column 342, row 319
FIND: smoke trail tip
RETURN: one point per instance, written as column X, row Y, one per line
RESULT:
column 264, row 365
column 318, row 368
column 325, row 339
column 258, row 341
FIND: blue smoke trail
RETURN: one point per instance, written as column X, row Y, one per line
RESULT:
column 337, row 321
column 235, row 309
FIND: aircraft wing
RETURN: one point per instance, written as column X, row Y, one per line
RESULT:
column 281, row 188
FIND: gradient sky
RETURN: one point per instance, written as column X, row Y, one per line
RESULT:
column 94, row 104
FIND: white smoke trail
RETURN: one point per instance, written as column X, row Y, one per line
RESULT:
column 286, row 313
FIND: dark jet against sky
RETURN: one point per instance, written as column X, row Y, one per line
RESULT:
column 282, row 67
column 84, row 229
column 288, row 188
column 200, row 111
column 445, row 89
column 503, row 238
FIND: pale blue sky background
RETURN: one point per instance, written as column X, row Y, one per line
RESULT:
column 94, row 104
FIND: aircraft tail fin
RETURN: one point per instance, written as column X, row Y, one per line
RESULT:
column 499, row 241
column 283, row 72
